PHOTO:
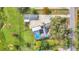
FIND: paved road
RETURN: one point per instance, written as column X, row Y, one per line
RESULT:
column 72, row 26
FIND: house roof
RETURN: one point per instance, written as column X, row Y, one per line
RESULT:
column 31, row 17
column 43, row 19
column 36, row 28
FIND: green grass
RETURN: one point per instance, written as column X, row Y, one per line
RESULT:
column 14, row 24
column 29, row 38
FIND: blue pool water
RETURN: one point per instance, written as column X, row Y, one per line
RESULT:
column 37, row 35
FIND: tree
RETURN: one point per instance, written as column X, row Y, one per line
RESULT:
column 24, row 10
column 46, row 10
column 33, row 11
column 59, row 30
column 44, row 45
column 27, row 10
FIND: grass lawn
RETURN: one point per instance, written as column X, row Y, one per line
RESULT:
column 29, row 38
column 14, row 24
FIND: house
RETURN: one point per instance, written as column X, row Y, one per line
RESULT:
column 39, row 24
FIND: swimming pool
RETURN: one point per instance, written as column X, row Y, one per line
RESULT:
column 37, row 35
